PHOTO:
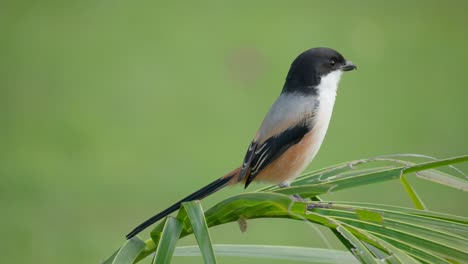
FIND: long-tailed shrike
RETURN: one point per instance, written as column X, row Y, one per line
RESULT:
column 292, row 131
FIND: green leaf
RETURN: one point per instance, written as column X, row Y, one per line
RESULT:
column 367, row 215
column 167, row 242
column 397, row 255
column 110, row 259
column 431, row 220
column 444, row 179
column 314, row 185
column 128, row 252
column 374, row 232
column 200, row 229
column 401, row 227
column 309, row 190
column 433, row 235
column 304, row 254
column 360, row 251
column 414, row 251
column 418, row 203
column 437, row 163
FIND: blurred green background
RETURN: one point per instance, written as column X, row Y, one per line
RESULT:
column 112, row 110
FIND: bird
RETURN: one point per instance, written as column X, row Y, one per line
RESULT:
column 292, row 131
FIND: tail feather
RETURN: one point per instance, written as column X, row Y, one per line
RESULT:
column 200, row 194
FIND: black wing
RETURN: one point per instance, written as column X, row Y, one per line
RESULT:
column 258, row 156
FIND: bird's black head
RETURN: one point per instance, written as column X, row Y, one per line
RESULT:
column 310, row 66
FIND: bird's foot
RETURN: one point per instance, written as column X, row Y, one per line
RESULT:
column 315, row 205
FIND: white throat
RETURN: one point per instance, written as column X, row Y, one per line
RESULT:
column 326, row 96
column 329, row 84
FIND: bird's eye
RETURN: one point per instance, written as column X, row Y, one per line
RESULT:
column 332, row 62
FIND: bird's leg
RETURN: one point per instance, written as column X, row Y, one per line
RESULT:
column 295, row 197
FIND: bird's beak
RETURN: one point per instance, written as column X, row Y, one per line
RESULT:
column 348, row 66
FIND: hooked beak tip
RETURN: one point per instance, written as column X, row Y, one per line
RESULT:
column 349, row 66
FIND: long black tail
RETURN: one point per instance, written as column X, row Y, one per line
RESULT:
column 200, row 194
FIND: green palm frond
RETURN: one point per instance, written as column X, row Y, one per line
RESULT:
column 373, row 233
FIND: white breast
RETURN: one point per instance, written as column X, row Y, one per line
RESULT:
column 326, row 98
